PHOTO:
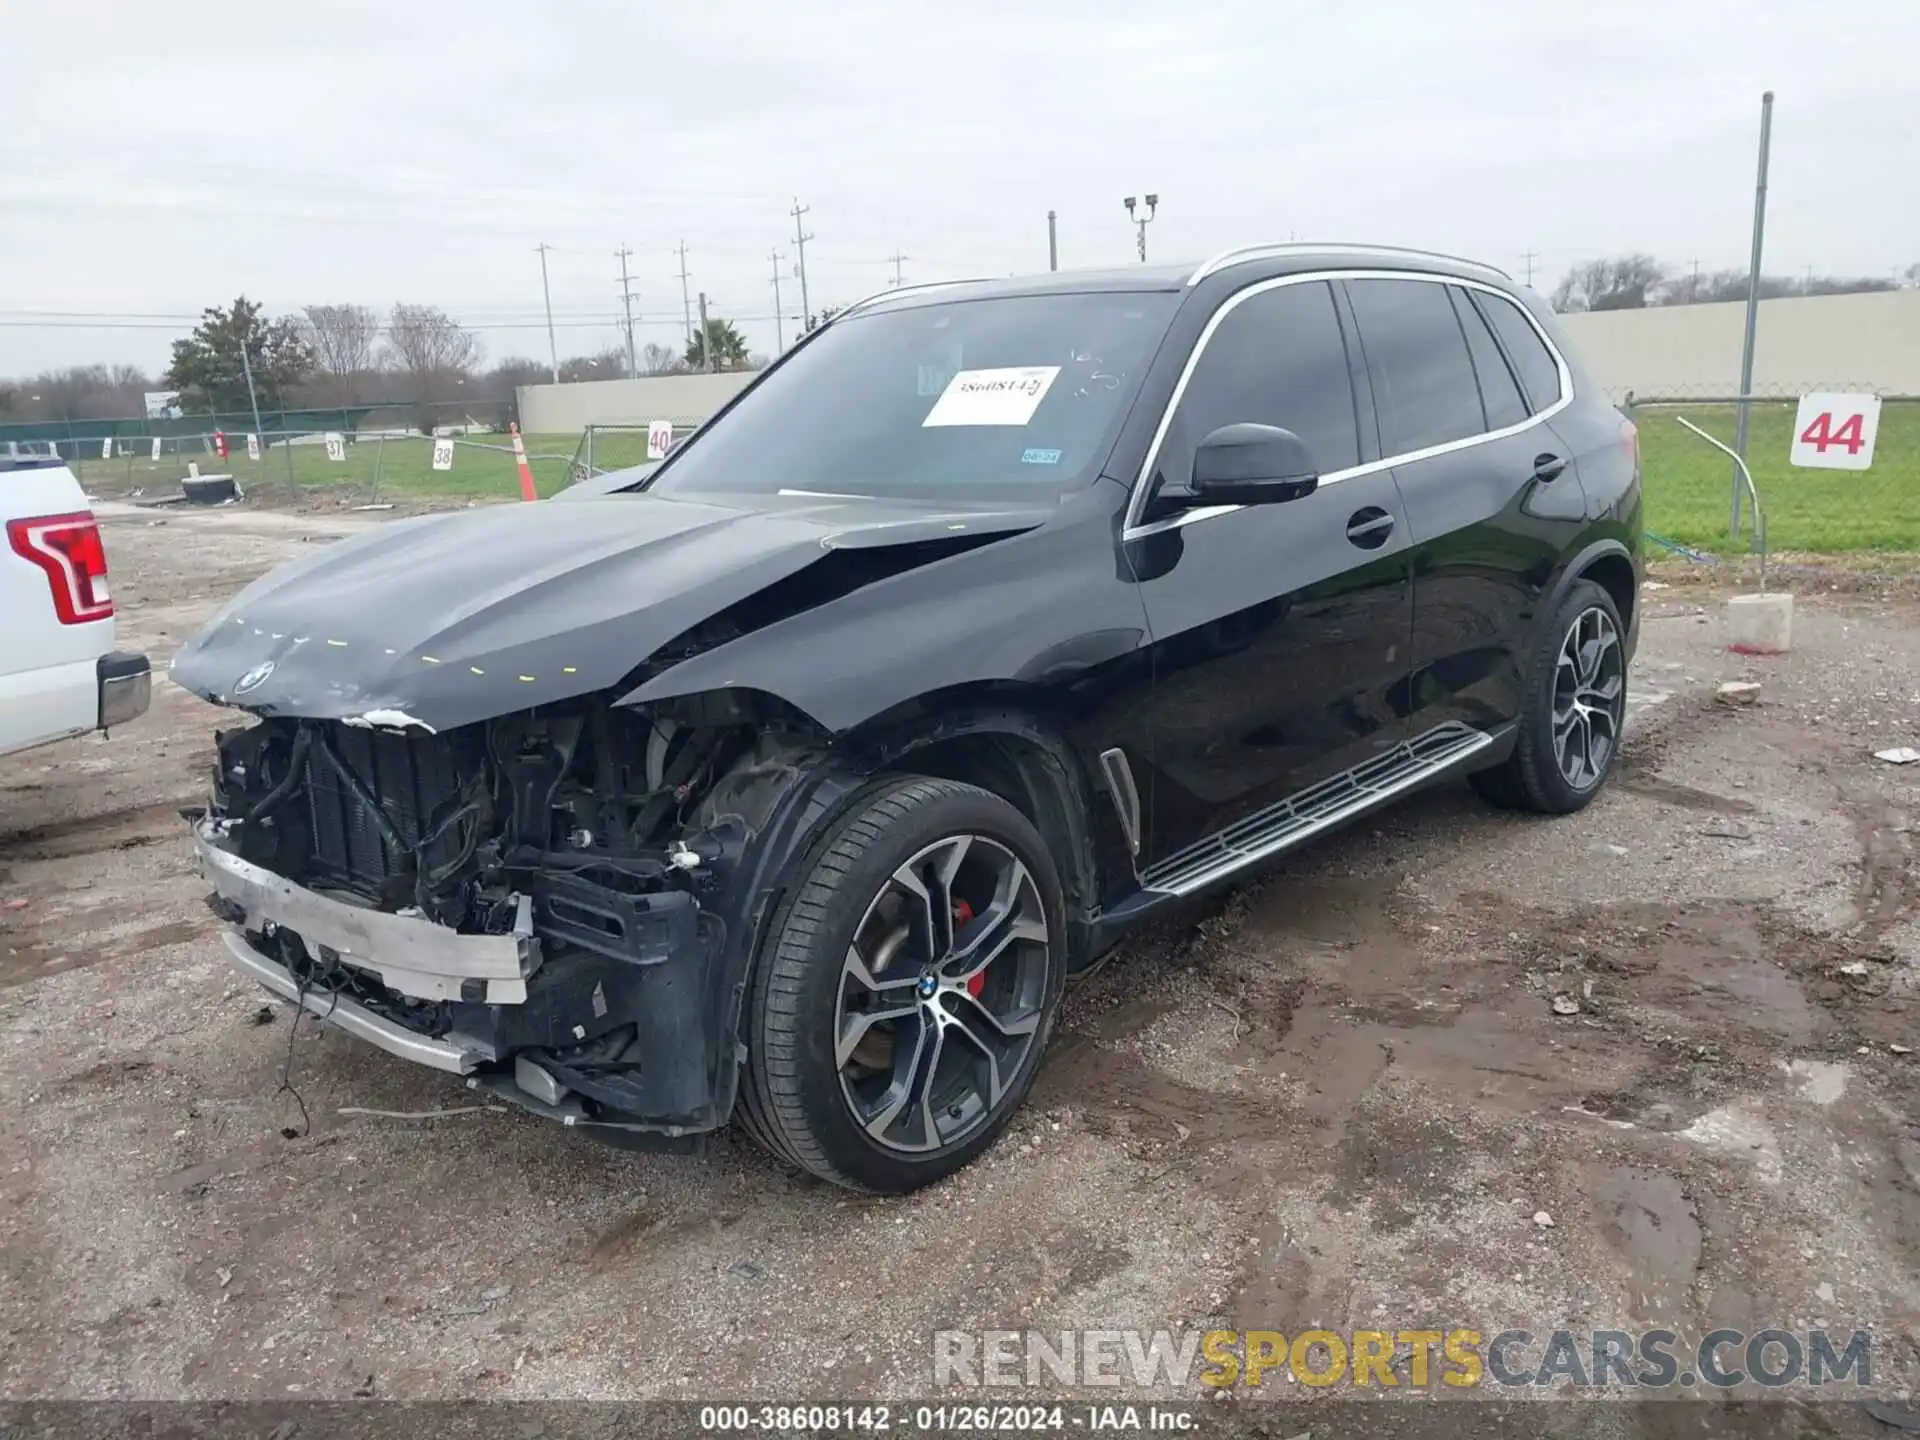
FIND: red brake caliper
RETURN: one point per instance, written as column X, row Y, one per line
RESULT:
column 963, row 915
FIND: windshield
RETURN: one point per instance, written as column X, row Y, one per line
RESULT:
column 991, row 397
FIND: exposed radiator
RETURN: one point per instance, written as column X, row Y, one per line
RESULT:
column 414, row 777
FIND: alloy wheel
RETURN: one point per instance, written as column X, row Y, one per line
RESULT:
column 941, row 994
column 1589, row 698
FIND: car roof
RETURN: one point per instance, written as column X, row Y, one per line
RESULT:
column 1278, row 259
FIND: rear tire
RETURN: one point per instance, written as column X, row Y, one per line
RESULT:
column 1574, row 710
column 929, row 917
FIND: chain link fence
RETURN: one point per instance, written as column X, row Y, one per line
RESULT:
column 1690, row 487
column 618, row 447
column 379, row 468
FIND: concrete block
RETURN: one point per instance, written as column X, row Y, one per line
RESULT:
column 1760, row 624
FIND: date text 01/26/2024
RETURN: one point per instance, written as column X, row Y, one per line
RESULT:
column 944, row 1419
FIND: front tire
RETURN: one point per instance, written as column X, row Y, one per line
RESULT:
column 1574, row 712
column 908, row 987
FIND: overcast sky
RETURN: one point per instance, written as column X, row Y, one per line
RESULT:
column 155, row 158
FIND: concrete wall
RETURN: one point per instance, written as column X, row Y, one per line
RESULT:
column 568, row 409
column 1824, row 342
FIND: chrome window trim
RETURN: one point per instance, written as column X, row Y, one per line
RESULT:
column 1133, row 529
column 1241, row 254
column 867, row 300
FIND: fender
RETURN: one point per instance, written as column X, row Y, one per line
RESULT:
column 1574, row 569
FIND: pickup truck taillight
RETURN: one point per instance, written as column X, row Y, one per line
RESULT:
column 68, row 548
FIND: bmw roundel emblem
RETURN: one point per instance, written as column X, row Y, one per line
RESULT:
column 254, row 678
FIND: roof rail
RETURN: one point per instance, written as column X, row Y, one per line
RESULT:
column 901, row 290
column 1243, row 253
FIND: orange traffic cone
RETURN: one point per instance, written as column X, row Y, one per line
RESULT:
column 527, row 492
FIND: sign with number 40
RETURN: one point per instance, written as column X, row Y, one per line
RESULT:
column 1835, row 432
column 659, row 439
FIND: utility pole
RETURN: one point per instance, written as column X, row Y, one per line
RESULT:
column 706, row 337
column 800, row 238
column 686, row 304
column 553, row 347
column 898, row 260
column 246, row 366
column 1753, row 300
column 1140, row 221
column 1530, row 256
column 627, row 298
column 1693, row 285
column 1053, row 243
column 779, row 334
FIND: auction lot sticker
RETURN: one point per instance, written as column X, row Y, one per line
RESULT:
column 992, row 397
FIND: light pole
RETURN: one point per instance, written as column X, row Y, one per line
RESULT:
column 1140, row 221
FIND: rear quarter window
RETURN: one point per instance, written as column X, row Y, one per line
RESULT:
column 1532, row 361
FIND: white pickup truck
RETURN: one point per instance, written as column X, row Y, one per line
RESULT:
column 60, row 674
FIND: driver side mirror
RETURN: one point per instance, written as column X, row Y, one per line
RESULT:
column 1252, row 465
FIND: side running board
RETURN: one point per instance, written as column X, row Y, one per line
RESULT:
column 1299, row 817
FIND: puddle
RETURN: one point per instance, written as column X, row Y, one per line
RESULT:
column 1647, row 1219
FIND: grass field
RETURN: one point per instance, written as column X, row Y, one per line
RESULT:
column 392, row 469
column 1689, row 484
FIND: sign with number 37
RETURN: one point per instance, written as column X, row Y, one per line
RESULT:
column 1835, row 432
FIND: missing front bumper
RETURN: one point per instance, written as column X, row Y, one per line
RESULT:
column 349, row 1016
column 411, row 955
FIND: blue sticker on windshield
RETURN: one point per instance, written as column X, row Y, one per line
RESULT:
column 1039, row 457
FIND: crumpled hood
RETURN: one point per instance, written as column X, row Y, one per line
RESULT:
column 447, row 619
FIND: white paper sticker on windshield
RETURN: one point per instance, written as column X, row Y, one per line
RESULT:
column 992, row 397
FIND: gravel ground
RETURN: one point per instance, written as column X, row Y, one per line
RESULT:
column 1342, row 1096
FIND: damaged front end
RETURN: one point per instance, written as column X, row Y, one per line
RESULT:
column 557, row 903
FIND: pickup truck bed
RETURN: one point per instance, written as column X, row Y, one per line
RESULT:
column 60, row 673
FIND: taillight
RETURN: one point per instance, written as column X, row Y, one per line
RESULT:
column 68, row 548
column 1630, row 442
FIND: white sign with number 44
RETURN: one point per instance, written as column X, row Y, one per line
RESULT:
column 1835, row 432
column 659, row 439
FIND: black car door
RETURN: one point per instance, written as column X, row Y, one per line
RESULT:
column 1490, row 497
column 1281, row 631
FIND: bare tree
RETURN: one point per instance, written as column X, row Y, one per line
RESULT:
column 424, row 340
column 429, row 345
column 1621, row 282
column 341, row 338
column 609, row 364
column 658, row 359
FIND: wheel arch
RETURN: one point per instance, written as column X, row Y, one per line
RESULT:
column 1004, row 738
column 1611, row 565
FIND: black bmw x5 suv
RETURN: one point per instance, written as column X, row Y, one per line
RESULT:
column 791, row 778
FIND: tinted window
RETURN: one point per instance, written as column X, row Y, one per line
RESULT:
column 1498, row 393
column 990, row 397
column 1422, row 376
column 1277, row 358
column 1532, row 361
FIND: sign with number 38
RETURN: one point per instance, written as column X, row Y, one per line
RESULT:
column 1835, row 432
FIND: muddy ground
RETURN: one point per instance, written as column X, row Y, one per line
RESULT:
column 1338, row 1097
